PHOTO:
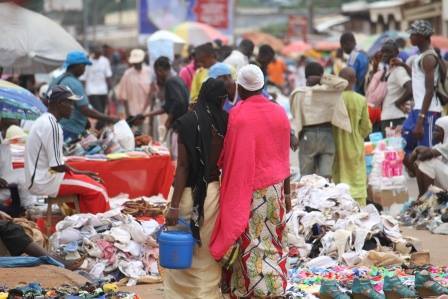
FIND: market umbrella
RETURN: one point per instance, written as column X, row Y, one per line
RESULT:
column 326, row 45
column 165, row 35
column 382, row 38
column 296, row 48
column 195, row 33
column 364, row 42
column 260, row 38
column 18, row 103
column 439, row 41
column 31, row 43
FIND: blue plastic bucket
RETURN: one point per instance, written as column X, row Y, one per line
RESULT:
column 176, row 249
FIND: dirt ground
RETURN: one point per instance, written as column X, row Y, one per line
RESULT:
column 50, row 276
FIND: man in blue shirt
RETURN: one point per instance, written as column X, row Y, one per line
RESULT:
column 72, row 127
column 358, row 60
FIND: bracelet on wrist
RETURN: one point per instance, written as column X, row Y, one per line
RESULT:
column 174, row 209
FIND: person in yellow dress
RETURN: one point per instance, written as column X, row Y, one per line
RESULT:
column 349, row 165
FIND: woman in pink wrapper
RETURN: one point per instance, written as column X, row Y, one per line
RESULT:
column 251, row 229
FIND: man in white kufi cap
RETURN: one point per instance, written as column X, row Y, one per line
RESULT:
column 250, row 78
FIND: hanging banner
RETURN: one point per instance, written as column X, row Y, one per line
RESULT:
column 156, row 14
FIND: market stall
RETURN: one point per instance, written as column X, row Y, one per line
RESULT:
column 133, row 176
column 142, row 176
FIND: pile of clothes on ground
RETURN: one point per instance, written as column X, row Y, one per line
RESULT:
column 112, row 246
column 428, row 212
column 331, row 237
column 88, row 291
column 327, row 227
column 305, row 281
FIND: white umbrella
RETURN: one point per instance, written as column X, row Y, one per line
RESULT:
column 30, row 42
column 165, row 35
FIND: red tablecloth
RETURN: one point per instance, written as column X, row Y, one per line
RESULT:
column 134, row 176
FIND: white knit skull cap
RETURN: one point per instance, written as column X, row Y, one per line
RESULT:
column 250, row 77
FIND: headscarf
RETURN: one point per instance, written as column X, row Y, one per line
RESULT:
column 219, row 69
column 443, row 123
column 195, row 132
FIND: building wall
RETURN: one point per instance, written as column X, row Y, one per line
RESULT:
column 377, row 20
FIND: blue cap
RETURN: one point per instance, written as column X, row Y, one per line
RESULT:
column 219, row 69
column 76, row 57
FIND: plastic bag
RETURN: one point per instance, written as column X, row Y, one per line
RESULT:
column 124, row 135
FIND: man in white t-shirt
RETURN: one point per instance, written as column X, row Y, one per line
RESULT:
column 98, row 82
column 399, row 88
column 45, row 171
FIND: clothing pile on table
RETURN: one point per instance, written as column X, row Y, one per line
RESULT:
column 142, row 152
column 327, row 227
column 114, row 246
column 111, row 141
column 428, row 212
column 305, row 281
column 88, row 291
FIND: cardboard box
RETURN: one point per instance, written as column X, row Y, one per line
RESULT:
column 386, row 198
column 420, row 258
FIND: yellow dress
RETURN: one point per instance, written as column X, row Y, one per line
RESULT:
column 203, row 278
column 349, row 165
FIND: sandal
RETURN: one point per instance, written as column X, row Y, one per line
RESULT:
column 329, row 289
column 395, row 289
column 426, row 286
column 363, row 289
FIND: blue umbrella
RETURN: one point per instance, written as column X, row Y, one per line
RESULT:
column 18, row 103
column 379, row 42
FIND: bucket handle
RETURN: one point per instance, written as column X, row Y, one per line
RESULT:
column 164, row 227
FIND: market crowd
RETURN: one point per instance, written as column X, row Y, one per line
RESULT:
column 231, row 135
